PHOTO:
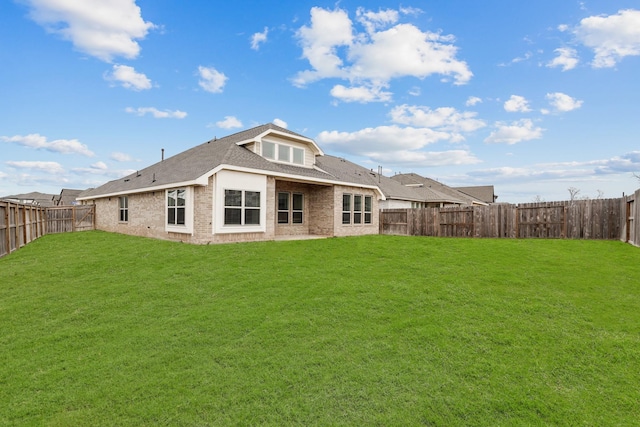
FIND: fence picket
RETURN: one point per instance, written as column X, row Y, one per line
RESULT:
column 21, row 224
column 577, row 219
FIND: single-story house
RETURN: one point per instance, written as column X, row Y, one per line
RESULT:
column 263, row 183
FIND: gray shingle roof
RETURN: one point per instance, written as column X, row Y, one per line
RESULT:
column 431, row 184
column 197, row 162
column 188, row 166
column 486, row 193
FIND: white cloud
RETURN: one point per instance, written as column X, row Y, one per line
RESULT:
column 120, row 157
column 166, row 114
column 329, row 30
column 373, row 21
column 443, row 118
column 211, row 79
column 567, row 59
column 48, row 167
column 103, row 29
column 426, row 158
column 415, row 91
column 387, row 139
column 473, row 100
column 402, row 146
column 362, row 94
column 280, row 123
column 371, row 58
column 521, row 130
column 98, row 168
column 629, row 162
column 258, row 38
column 37, row 141
column 129, row 78
column 611, row 37
column 229, row 122
column 562, row 102
column 517, row 104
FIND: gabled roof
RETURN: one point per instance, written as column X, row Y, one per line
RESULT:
column 486, row 193
column 67, row 196
column 194, row 166
column 392, row 189
column 34, row 198
column 420, row 182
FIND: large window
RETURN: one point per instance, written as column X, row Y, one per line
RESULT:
column 346, row 208
column 290, row 208
column 241, row 207
column 124, row 209
column 353, row 208
column 283, row 153
column 357, row 209
column 368, row 202
column 176, row 206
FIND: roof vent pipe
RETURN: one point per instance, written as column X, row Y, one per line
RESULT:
column 162, row 149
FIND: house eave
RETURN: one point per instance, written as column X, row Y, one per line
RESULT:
column 299, row 178
column 197, row 182
column 204, row 179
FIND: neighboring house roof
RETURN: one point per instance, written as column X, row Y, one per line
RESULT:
column 194, row 166
column 417, row 181
column 66, row 197
column 392, row 189
column 483, row 192
column 34, row 198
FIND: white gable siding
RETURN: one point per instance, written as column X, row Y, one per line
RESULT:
column 231, row 180
column 309, row 157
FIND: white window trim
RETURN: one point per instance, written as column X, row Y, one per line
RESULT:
column 291, row 148
column 242, row 208
column 123, row 209
column 352, row 210
column 290, row 210
column 232, row 180
column 187, row 228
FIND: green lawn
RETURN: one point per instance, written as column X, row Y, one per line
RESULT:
column 105, row 329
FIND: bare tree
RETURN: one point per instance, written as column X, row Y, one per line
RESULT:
column 573, row 193
column 538, row 199
column 600, row 194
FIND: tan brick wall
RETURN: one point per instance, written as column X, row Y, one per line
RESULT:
column 322, row 214
column 355, row 229
column 321, row 206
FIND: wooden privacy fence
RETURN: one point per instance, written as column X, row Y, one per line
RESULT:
column 579, row 219
column 21, row 224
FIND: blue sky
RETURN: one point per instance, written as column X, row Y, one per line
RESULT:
column 531, row 97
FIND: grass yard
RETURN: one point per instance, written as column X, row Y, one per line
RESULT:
column 105, row 329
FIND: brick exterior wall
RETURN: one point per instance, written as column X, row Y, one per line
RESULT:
column 322, row 214
column 355, row 229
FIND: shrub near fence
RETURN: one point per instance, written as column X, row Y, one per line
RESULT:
column 21, row 224
column 581, row 219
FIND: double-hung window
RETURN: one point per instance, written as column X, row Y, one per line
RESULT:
column 290, row 208
column 241, row 207
column 356, row 209
column 176, row 206
column 346, row 208
column 368, row 202
column 123, row 209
